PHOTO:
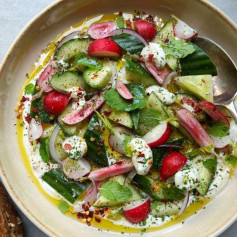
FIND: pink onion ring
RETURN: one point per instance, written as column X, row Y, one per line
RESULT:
column 130, row 176
column 66, row 38
column 169, row 78
column 185, row 203
column 130, row 32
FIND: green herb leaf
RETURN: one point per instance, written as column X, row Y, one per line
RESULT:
column 114, row 191
column 129, row 43
column 114, row 100
column 178, row 48
column 210, row 164
column 30, row 88
column 231, row 159
column 120, row 22
column 44, row 149
column 63, row 206
column 135, row 117
column 126, row 148
column 150, row 117
column 218, row 129
column 173, row 193
column 105, row 121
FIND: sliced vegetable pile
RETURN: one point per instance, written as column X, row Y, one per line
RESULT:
column 130, row 119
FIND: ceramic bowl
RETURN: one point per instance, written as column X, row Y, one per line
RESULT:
column 204, row 17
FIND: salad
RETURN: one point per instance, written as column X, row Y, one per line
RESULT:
column 118, row 122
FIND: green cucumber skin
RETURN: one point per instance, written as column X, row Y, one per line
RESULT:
column 161, row 209
column 69, row 189
column 129, row 43
column 71, row 48
column 97, row 156
column 197, row 63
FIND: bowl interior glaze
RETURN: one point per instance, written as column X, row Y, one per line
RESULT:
column 45, row 27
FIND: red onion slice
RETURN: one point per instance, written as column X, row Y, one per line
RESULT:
column 171, row 146
column 52, row 145
column 68, row 37
column 185, row 203
column 130, row 32
column 35, row 130
column 75, row 169
column 101, row 30
column 169, row 78
column 130, row 176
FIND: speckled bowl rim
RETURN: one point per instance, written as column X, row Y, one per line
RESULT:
column 4, row 62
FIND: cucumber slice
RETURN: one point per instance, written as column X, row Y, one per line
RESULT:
column 71, row 48
column 104, row 202
column 190, row 103
column 69, row 130
column 61, row 154
column 121, row 117
column 69, row 189
column 161, row 209
column 206, row 176
column 166, row 32
column 65, row 80
column 147, row 185
column 197, row 63
column 97, row 79
column 199, row 85
column 136, row 73
column 172, row 62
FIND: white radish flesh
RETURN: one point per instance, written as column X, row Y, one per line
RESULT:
column 35, row 130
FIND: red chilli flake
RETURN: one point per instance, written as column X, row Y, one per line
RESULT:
column 97, row 219
column 67, row 147
column 34, row 110
column 96, row 128
column 107, row 113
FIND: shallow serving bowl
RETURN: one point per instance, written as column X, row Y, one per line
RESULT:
column 209, row 22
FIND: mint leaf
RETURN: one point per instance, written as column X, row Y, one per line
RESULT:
column 44, row 149
column 178, row 48
column 30, row 88
column 84, row 60
column 210, row 164
column 150, row 117
column 231, row 159
column 120, row 22
column 114, row 191
column 126, row 148
column 63, row 206
column 114, row 100
column 135, row 118
column 173, row 193
column 218, row 129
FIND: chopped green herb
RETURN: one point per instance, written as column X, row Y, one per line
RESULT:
column 210, row 164
column 63, row 206
column 231, row 159
column 30, row 88
column 173, row 193
column 120, row 22
column 218, row 129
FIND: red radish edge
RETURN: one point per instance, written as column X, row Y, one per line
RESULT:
column 158, row 135
column 46, row 75
column 123, row 90
column 79, row 115
column 91, row 192
column 101, row 30
column 137, row 211
column 184, row 31
column 118, row 168
column 130, row 32
column 194, row 128
column 212, row 110
column 146, row 29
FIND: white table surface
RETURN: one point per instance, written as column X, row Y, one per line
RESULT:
column 15, row 14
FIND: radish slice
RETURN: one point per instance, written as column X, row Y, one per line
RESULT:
column 68, row 37
column 79, row 115
column 221, row 142
column 194, row 128
column 169, row 78
column 75, row 169
column 185, row 203
column 101, row 30
column 52, row 145
column 91, row 193
column 35, row 130
column 214, row 112
column 123, row 90
column 116, row 139
column 158, row 74
column 130, row 32
column 46, row 75
column 118, row 168
column 158, row 135
column 137, row 211
column 184, row 31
